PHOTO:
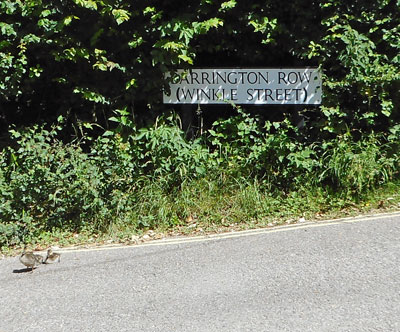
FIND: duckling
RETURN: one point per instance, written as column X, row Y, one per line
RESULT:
column 52, row 256
column 30, row 260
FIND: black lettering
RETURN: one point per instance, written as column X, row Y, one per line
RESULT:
column 297, row 94
column 195, row 77
column 242, row 73
column 263, row 77
column 204, row 77
column 229, row 78
column 203, row 92
column 249, row 94
column 255, row 77
column 224, row 95
column 291, row 81
column 305, row 77
column 287, row 94
column 259, row 93
column 215, row 95
column 278, row 93
column 218, row 95
column 281, row 76
column 223, row 79
column 305, row 95
column 188, row 93
column 234, row 94
column 268, row 93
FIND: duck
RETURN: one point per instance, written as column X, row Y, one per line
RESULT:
column 29, row 259
column 52, row 256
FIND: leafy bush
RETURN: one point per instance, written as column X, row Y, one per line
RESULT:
column 101, row 55
column 47, row 184
column 359, row 54
column 271, row 151
column 167, row 154
column 161, row 150
column 356, row 167
column 155, row 177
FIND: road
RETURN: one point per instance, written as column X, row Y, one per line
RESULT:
column 329, row 276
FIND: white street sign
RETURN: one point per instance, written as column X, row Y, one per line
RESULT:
column 245, row 86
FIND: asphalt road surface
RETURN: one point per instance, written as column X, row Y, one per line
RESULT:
column 331, row 276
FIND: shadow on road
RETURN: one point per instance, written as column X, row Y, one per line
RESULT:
column 22, row 270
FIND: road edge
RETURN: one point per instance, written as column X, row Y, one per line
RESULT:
column 235, row 233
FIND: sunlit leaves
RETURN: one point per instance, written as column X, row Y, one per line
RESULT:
column 121, row 49
column 153, row 13
column 120, row 15
column 170, row 45
column 263, row 25
column 131, row 83
column 204, row 26
column 103, row 63
column 186, row 58
column 73, row 54
column 89, row 4
column 136, row 41
column 227, row 5
column 7, row 29
column 47, row 25
column 35, row 71
column 68, row 20
column 363, row 46
column 92, row 96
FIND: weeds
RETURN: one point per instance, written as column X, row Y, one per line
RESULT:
column 244, row 173
column 356, row 167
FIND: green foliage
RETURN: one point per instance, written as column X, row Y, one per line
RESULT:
column 359, row 55
column 147, row 178
column 102, row 64
column 101, row 56
column 356, row 167
column 273, row 150
column 97, row 55
column 167, row 154
column 161, row 150
column 47, row 184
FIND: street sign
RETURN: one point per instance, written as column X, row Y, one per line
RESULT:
column 245, row 86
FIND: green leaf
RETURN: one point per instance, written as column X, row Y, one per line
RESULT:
column 131, row 83
column 67, row 20
column 7, row 29
column 89, row 4
column 136, row 41
column 91, row 95
column 186, row 58
column 108, row 133
column 227, row 5
column 120, row 15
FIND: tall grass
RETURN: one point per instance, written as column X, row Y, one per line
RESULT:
column 355, row 167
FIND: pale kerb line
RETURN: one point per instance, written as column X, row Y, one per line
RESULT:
column 237, row 234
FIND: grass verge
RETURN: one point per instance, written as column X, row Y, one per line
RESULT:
column 202, row 207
